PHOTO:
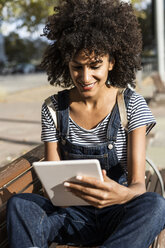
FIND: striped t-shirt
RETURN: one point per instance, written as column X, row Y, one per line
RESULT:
column 138, row 115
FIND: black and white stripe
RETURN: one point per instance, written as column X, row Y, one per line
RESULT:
column 138, row 115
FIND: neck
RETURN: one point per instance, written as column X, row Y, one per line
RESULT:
column 108, row 95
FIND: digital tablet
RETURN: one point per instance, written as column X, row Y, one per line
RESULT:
column 53, row 174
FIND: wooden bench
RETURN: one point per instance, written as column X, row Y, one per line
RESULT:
column 19, row 176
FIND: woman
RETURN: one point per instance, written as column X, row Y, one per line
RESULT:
column 95, row 48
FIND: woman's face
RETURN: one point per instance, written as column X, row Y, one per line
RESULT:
column 89, row 74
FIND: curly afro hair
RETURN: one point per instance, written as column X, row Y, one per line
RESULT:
column 99, row 26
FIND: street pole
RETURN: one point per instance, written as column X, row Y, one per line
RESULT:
column 160, row 37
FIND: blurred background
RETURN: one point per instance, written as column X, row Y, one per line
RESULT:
column 24, row 86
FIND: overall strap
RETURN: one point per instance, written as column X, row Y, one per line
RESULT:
column 52, row 110
column 113, row 125
column 63, row 113
column 123, row 98
column 60, row 117
column 119, row 114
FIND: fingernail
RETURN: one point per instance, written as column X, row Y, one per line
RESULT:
column 79, row 177
column 66, row 184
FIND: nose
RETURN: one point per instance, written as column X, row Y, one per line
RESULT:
column 86, row 75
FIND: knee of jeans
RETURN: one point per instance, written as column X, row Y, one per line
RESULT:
column 156, row 204
column 14, row 202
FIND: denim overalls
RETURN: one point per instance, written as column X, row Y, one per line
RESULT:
column 33, row 221
column 104, row 152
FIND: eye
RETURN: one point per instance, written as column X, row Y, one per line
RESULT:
column 95, row 67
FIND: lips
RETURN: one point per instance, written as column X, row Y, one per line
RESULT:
column 87, row 86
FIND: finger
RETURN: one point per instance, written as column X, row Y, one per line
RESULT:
column 98, row 198
column 104, row 172
column 85, row 190
column 91, row 200
column 92, row 182
column 105, row 177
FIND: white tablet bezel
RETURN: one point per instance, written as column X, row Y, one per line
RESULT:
column 53, row 174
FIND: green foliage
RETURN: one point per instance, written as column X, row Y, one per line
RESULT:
column 31, row 13
column 139, row 11
column 23, row 50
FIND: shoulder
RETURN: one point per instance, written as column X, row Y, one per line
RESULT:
column 139, row 114
column 45, row 110
column 136, row 101
column 137, row 97
column 51, row 100
column 55, row 100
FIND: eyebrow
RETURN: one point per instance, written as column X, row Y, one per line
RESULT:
column 99, row 61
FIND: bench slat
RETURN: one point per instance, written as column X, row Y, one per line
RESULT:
column 26, row 181
column 20, row 165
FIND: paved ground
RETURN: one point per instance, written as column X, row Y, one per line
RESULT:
column 18, row 82
column 20, row 124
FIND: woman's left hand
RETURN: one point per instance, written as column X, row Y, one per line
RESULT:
column 97, row 193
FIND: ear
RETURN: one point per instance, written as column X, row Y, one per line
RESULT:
column 111, row 64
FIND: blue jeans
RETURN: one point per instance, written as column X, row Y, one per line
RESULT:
column 32, row 221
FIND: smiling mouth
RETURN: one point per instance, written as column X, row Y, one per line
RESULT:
column 87, row 86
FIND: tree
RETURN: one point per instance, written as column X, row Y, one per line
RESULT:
column 23, row 50
column 139, row 10
column 29, row 13
column 32, row 13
